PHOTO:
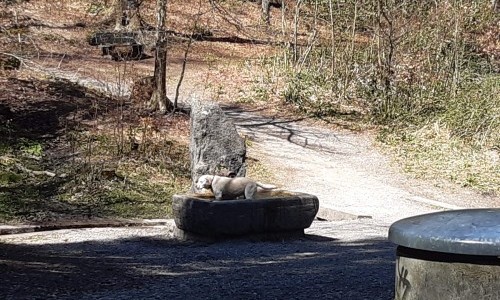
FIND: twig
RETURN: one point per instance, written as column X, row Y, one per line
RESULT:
column 224, row 14
column 59, row 65
column 15, row 56
column 184, row 62
column 309, row 49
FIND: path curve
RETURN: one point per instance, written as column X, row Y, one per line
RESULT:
column 344, row 169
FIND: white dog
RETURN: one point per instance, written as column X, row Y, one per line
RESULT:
column 226, row 188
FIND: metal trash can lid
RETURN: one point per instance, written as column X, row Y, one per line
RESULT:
column 465, row 231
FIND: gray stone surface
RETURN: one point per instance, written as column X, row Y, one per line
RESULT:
column 242, row 217
column 424, row 279
column 216, row 148
column 466, row 231
column 113, row 38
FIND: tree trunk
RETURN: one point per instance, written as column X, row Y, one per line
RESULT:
column 132, row 14
column 127, row 15
column 265, row 11
column 159, row 98
column 118, row 10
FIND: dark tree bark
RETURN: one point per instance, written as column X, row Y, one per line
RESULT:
column 118, row 8
column 133, row 16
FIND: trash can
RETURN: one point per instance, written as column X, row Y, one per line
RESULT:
column 448, row 255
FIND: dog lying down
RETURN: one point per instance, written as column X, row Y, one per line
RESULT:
column 227, row 188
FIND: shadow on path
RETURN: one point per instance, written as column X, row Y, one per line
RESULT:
column 304, row 136
column 158, row 267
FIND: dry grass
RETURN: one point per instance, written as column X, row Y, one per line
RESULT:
column 433, row 153
column 399, row 74
column 72, row 154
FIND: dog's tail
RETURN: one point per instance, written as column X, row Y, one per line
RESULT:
column 266, row 186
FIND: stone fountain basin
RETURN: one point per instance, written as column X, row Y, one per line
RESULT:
column 271, row 213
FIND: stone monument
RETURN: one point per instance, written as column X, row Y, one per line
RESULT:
column 215, row 148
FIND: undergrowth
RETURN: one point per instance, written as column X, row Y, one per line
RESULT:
column 426, row 73
column 71, row 154
column 95, row 182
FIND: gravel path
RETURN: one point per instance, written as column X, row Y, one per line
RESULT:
column 146, row 263
column 346, row 257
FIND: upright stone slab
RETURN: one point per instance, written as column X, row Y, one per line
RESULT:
column 215, row 147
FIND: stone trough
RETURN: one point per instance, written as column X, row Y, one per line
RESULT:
column 271, row 216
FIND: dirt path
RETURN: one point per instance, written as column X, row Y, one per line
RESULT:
column 345, row 170
column 345, row 257
column 146, row 263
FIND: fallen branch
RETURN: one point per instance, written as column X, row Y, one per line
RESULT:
column 32, row 172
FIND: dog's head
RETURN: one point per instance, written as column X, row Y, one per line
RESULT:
column 204, row 182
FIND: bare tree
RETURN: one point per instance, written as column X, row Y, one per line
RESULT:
column 159, row 98
column 118, row 10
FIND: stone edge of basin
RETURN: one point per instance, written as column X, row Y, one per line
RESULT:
column 293, row 211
